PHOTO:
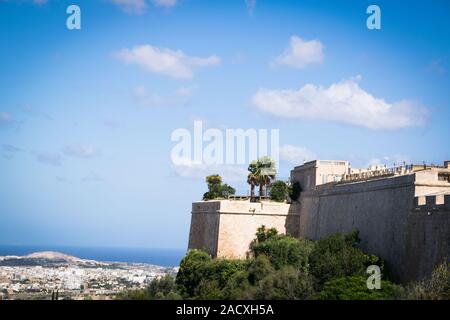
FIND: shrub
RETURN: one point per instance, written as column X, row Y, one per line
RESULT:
column 336, row 257
column 238, row 287
column 437, row 287
column 287, row 283
column 159, row 289
column 279, row 191
column 284, row 250
column 259, row 268
column 216, row 189
column 294, row 191
column 201, row 277
column 165, row 287
column 284, row 267
column 355, row 288
column 192, row 270
column 221, row 270
column 208, row 290
column 263, row 234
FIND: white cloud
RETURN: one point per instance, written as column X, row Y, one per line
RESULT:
column 295, row 155
column 81, row 151
column 165, row 3
column 131, row 6
column 301, row 53
column 343, row 102
column 165, row 61
column 186, row 168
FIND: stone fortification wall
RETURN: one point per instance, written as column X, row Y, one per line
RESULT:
column 225, row 228
column 386, row 213
column 397, row 222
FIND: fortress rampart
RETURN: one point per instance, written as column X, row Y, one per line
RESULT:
column 427, row 237
column 225, row 228
column 403, row 217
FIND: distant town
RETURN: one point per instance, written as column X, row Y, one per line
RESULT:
column 56, row 276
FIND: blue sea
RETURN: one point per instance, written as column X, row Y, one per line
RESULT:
column 160, row 257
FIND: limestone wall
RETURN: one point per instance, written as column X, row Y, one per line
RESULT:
column 427, row 240
column 385, row 213
column 378, row 209
column 427, row 183
column 225, row 228
column 204, row 232
column 396, row 221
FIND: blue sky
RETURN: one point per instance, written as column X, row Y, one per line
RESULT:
column 86, row 115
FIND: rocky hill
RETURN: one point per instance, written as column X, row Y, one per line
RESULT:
column 45, row 258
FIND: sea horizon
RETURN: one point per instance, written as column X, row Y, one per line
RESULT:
column 156, row 256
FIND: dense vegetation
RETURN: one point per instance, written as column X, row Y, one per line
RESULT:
column 279, row 191
column 217, row 189
column 282, row 267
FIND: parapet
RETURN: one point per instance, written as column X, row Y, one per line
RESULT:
column 241, row 207
column 432, row 202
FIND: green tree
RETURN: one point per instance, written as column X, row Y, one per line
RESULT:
column 279, row 191
column 141, row 294
column 259, row 269
column 238, row 287
column 336, row 256
column 193, row 267
column 199, row 273
column 209, row 290
column 216, row 189
column 163, row 288
column 253, row 178
column 263, row 234
column 262, row 172
column 221, row 270
column 159, row 289
column 266, row 172
column 287, row 283
column 282, row 250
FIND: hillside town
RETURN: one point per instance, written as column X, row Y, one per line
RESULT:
column 52, row 276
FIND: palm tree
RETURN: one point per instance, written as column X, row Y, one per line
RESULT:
column 252, row 178
column 262, row 172
column 266, row 173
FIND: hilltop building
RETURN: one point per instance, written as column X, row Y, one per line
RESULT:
column 402, row 213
